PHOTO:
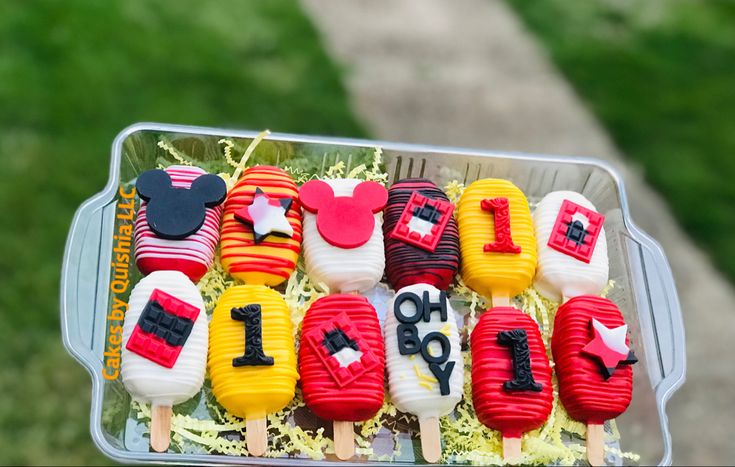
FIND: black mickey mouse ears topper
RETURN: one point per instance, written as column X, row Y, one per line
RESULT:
column 175, row 213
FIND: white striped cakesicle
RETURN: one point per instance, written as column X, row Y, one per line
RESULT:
column 560, row 275
column 148, row 381
column 413, row 386
column 343, row 270
column 192, row 255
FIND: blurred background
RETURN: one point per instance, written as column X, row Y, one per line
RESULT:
column 644, row 84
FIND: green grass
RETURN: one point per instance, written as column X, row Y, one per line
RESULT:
column 660, row 75
column 72, row 74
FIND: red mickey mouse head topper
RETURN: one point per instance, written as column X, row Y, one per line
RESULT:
column 344, row 221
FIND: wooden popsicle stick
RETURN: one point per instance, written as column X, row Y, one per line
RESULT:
column 469, row 323
column 431, row 443
column 160, row 427
column 511, row 450
column 595, row 444
column 501, row 299
column 344, row 439
column 256, row 436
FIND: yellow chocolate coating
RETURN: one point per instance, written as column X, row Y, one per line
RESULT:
column 252, row 392
column 271, row 261
column 495, row 273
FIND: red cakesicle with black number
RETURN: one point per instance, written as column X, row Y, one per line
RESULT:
column 593, row 365
column 511, row 374
column 342, row 359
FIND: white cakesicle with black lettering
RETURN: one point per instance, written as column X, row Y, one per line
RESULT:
column 424, row 359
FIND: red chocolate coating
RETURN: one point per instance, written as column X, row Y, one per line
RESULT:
column 511, row 413
column 360, row 399
column 407, row 264
column 583, row 390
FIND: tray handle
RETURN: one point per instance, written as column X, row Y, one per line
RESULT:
column 659, row 295
column 84, row 275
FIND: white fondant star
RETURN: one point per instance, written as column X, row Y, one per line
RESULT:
column 613, row 338
column 347, row 356
column 267, row 215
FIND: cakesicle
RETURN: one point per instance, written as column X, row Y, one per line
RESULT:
column 261, row 227
column 421, row 237
column 572, row 248
column 177, row 226
column 424, row 359
column 165, row 346
column 252, row 361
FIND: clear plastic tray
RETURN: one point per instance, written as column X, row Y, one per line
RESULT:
column 644, row 291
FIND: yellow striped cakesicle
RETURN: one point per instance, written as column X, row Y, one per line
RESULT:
column 252, row 361
column 496, row 238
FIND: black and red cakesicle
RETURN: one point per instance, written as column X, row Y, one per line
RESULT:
column 420, row 234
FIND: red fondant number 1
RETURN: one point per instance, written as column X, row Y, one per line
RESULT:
column 503, row 243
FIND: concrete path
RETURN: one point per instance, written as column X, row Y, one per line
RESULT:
column 466, row 73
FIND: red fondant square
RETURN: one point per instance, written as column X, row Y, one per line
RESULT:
column 428, row 242
column 155, row 348
column 341, row 375
column 562, row 239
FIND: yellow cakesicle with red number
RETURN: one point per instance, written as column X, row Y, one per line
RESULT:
column 496, row 238
column 252, row 361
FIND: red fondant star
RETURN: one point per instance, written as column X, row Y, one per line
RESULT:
column 609, row 347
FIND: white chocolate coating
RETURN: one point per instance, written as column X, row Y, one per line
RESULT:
column 148, row 381
column 559, row 275
column 343, row 270
column 409, row 392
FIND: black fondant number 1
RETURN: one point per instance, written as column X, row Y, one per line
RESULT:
column 254, row 355
column 522, row 380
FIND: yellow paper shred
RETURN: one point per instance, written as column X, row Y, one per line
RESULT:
column 335, row 171
column 454, row 190
column 246, row 155
column 229, row 144
column 180, row 157
column 299, row 175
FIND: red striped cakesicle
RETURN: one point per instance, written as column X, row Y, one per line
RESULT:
column 261, row 227
column 511, row 374
column 192, row 255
